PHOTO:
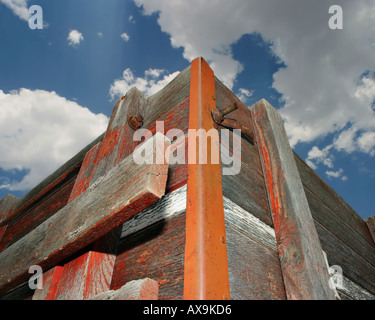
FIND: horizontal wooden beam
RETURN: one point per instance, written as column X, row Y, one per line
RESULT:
column 127, row 189
column 301, row 257
column 143, row 289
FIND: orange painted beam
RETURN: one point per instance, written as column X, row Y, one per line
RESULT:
column 206, row 263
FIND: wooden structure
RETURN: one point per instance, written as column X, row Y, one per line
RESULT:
column 104, row 226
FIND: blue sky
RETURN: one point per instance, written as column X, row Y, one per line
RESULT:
column 58, row 85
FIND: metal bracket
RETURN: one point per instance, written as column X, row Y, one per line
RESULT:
column 219, row 118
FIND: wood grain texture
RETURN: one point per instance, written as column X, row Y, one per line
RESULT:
column 7, row 205
column 157, row 252
column 354, row 267
column 304, row 269
column 371, row 226
column 352, row 291
column 343, row 234
column 51, row 279
column 171, row 204
column 345, row 214
column 254, row 266
column 74, row 226
column 40, row 211
column 90, row 273
column 247, row 188
column 142, row 289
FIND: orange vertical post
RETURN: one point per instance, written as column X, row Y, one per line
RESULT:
column 206, row 264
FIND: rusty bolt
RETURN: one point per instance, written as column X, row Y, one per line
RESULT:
column 218, row 115
column 135, row 121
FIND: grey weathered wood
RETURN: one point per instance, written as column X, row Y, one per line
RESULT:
column 339, row 227
column 171, row 204
column 326, row 195
column 304, row 269
column 251, row 226
column 143, row 289
column 7, row 204
column 371, row 226
column 253, row 262
column 126, row 190
column 355, row 267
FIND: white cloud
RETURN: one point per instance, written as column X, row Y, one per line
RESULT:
column 322, row 86
column 131, row 19
column 244, row 94
column 39, row 131
column 366, row 143
column 19, row 8
column 152, row 82
column 124, row 36
column 337, row 174
column 316, row 156
column 100, row 34
column 74, row 38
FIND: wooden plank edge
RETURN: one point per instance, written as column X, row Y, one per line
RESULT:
column 370, row 222
column 46, row 246
column 302, row 261
column 142, row 289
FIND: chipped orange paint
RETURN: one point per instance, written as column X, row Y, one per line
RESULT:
column 206, row 263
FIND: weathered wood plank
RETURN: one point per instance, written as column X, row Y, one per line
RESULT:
column 354, row 267
column 21, row 292
column 156, row 251
column 51, row 279
column 371, row 226
column 90, row 273
column 254, row 267
column 247, row 187
column 302, row 262
column 143, row 289
column 7, row 205
column 37, row 213
column 353, row 291
column 343, row 232
column 332, row 200
column 74, row 226
column 171, row 204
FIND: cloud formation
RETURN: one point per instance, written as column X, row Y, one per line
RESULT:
column 124, row 36
column 74, row 38
column 19, row 8
column 39, row 131
column 328, row 84
column 152, row 82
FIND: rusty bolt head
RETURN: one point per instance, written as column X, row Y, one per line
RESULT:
column 135, row 121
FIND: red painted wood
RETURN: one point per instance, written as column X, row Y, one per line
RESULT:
column 304, row 268
column 51, row 279
column 128, row 189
